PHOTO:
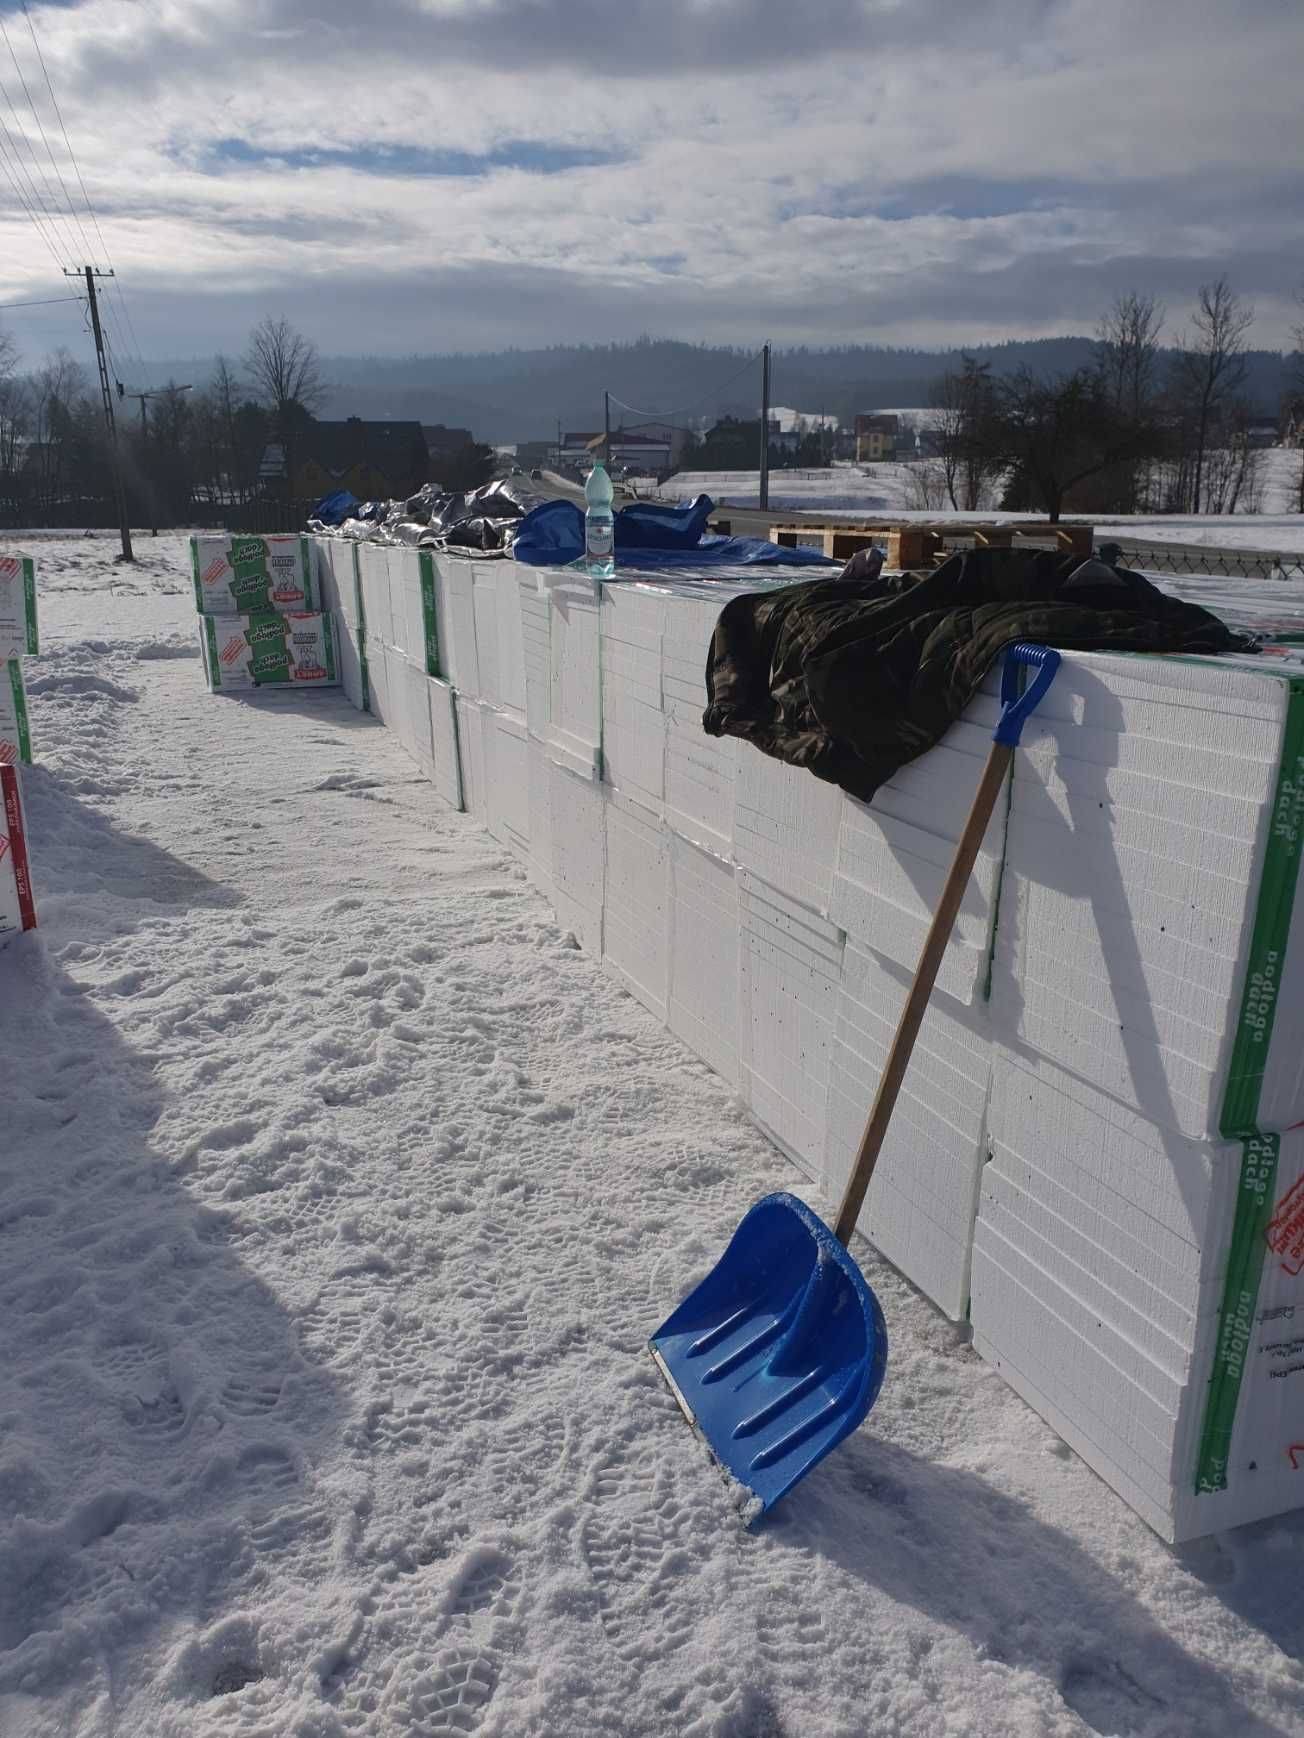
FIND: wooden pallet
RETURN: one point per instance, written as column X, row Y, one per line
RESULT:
column 924, row 545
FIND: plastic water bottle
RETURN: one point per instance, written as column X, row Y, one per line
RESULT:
column 599, row 525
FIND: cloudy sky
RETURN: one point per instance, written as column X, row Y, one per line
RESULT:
column 418, row 175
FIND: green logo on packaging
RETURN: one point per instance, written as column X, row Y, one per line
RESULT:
column 246, row 549
column 272, row 665
column 265, row 629
column 249, row 590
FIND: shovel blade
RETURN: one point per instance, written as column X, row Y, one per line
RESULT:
column 778, row 1354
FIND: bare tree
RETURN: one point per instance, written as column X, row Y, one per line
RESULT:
column 967, row 402
column 1208, row 373
column 1129, row 368
column 926, row 488
column 284, row 368
column 1233, row 473
column 15, row 422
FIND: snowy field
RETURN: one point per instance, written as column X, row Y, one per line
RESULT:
column 338, row 1194
column 855, row 491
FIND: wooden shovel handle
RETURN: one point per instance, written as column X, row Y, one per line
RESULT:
column 912, row 1015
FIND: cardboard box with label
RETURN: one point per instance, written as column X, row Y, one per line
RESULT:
column 268, row 650
column 15, row 739
column 18, row 631
column 17, row 902
column 240, row 575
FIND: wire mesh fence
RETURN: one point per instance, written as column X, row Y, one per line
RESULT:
column 1215, row 562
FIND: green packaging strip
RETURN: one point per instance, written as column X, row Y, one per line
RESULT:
column 426, row 562
column 214, row 668
column 20, row 711
column 361, row 610
column 1239, row 1121
column 29, row 595
column 194, row 574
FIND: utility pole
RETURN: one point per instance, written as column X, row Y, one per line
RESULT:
column 606, row 431
column 763, row 495
column 110, row 425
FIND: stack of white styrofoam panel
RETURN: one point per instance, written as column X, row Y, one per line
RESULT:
column 633, row 705
column 455, row 616
column 1141, row 822
column 507, row 761
column 786, row 828
column 636, row 912
column 444, row 741
column 484, row 607
column 351, row 652
column 1144, row 1292
column 409, row 690
column 1140, row 1233
column 412, row 608
column 337, row 571
column 500, row 660
column 893, row 856
column 705, row 932
column 380, row 688
column 701, row 771
column 536, row 651
column 920, row 1207
column 578, row 838
column 374, row 592
column 574, row 726
column 539, row 860
column 471, row 756
column 790, row 969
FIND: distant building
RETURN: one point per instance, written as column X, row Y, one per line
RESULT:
column 574, row 448
column 375, row 461
column 440, row 439
column 876, row 438
column 634, row 450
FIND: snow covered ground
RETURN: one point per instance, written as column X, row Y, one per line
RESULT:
column 338, row 1193
column 853, row 491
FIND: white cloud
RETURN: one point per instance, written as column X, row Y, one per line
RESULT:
column 842, row 170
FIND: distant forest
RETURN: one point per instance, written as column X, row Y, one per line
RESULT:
column 516, row 395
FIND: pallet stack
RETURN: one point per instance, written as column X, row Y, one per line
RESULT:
column 924, row 545
column 19, row 638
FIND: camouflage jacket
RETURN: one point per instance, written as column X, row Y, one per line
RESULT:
column 852, row 678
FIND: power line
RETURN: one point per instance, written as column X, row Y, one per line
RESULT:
column 47, row 302
column 36, row 182
column 26, row 203
column 115, row 285
column 18, row 173
column 683, row 409
column 40, row 127
column 64, row 130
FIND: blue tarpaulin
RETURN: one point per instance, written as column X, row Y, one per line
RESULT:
column 650, row 535
column 335, row 508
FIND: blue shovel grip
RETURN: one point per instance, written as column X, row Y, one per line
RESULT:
column 1016, row 708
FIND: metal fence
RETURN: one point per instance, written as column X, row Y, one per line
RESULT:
column 1200, row 559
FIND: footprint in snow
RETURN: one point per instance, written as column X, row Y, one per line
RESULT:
column 489, row 1585
column 449, row 1700
column 251, row 1397
column 628, row 1538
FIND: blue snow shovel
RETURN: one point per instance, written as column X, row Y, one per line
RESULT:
column 779, row 1353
